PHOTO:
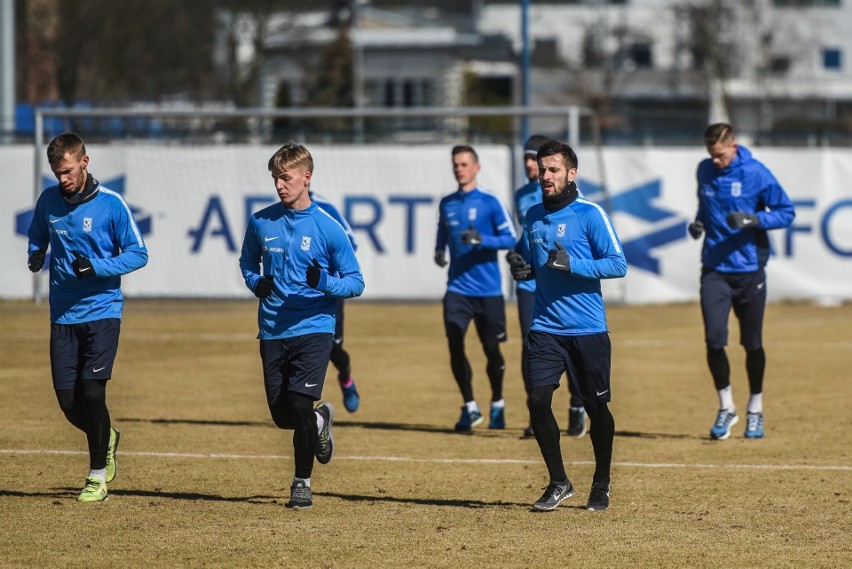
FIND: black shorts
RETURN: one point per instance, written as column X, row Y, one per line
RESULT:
column 83, row 351
column 587, row 359
column 295, row 364
column 746, row 294
column 487, row 312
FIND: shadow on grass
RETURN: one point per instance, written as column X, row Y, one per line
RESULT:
column 387, row 426
column 422, row 501
column 191, row 496
column 71, row 494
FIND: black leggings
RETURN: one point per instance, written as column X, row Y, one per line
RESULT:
column 296, row 411
column 546, row 429
column 85, row 408
column 495, row 367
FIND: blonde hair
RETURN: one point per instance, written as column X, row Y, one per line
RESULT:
column 290, row 156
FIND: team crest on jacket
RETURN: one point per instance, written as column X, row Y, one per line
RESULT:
column 560, row 230
column 736, row 189
column 87, row 224
column 471, row 214
column 306, row 243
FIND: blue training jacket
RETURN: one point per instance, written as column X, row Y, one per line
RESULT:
column 745, row 185
column 473, row 269
column 285, row 242
column 526, row 196
column 101, row 228
column 332, row 211
column 570, row 303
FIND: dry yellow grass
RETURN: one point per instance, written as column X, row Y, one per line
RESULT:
column 204, row 474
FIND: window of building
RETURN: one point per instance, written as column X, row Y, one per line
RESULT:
column 832, row 59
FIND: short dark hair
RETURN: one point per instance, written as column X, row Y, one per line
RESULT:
column 461, row 148
column 718, row 132
column 65, row 143
column 289, row 156
column 552, row 147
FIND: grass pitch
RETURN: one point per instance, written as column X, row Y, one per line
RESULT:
column 204, row 474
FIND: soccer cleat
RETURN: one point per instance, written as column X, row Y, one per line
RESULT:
column 300, row 496
column 498, row 418
column 325, row 438
column 598, row 497
column 554, row 494
column 576, row 422
column 351, row 400
column 529, row 433
column 724, row 421
column 112, row 462
column 468, row 420
column 95, row 490
column 754, row 426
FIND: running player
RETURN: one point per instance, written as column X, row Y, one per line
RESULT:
column 93, row 240
column 474, row 225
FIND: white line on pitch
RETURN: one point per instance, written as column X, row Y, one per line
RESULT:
column 445, row 460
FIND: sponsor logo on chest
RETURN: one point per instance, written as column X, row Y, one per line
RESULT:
column 306, row 243
column 736, row 189
column 560, row 230
column 87, row 224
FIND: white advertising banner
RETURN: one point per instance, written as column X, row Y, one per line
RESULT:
column 192, row 204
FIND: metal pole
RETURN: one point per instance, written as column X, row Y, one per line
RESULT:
column 525, row 67
column 7, row 70
column 357, row 67
column 38, row 143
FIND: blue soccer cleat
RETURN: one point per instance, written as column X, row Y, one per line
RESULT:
column 754, row 426
column 468, row 420
column 498, row 418
column 724, row 421
column 351, row 399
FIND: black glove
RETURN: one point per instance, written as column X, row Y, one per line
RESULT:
column 696, row 228
column 742, row 219
column 441, row 258
column 314, row 274
column 558, row 258
column 513, row 256
column 82, row 266
column 471, row 236
column 36, row 260
column 264, row 287
column 520, row 269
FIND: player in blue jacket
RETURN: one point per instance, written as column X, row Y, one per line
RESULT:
column 339, row 356
column 739, row 200
column 474, row 225
column 572, row 246
column 527, row 196
column 298, row 261
column 93, row 240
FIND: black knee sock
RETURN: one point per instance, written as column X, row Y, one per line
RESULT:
column 97, row 421
column 755, row 366
column 495, row 368
column 341, row 361
column 301, row 408
column 602, row 433
column 461, row 367
column 720, row 369
column 547, row 431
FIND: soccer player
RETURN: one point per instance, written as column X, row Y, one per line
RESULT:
column 572, row 246
column 307, row 263
column 93, row 240
column 739, row 200
column 527, row 196
column 339, row 356
column 474, row 225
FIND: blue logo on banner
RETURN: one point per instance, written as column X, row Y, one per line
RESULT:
column 636, row 201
